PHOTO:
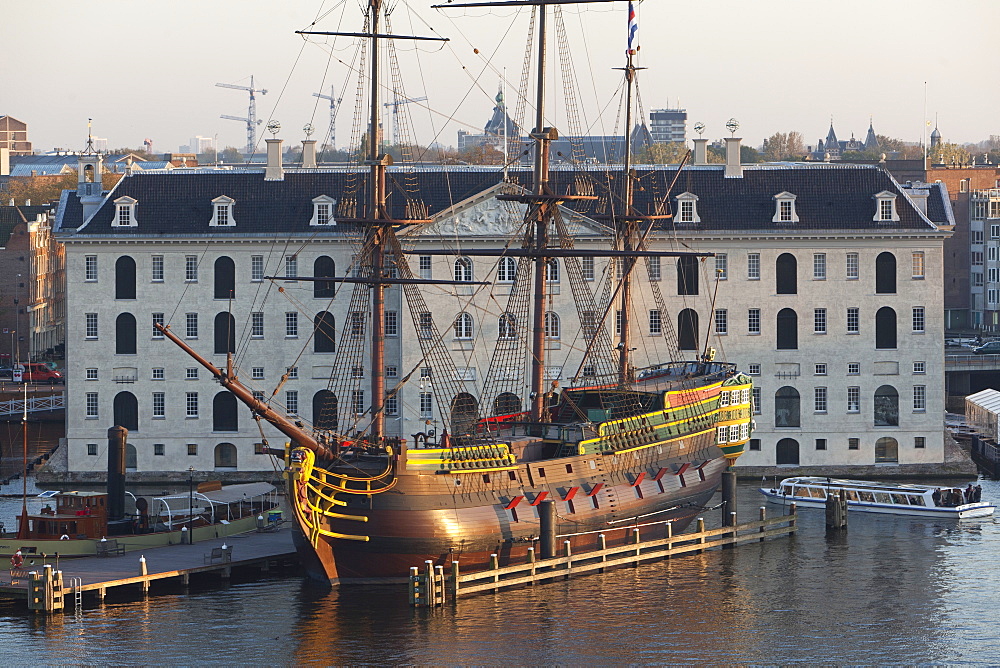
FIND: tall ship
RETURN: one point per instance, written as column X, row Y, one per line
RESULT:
column 614, row 445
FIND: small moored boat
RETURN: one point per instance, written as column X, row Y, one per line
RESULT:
column 880, row 497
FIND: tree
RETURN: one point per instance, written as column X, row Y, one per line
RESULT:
column 45, row 189
column 784, row 146
column 485, row 154
column 667, row 153
column 948, row 154
column 138, row 152
column 230, row 154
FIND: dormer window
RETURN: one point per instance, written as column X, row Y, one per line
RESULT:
column 222, row 212
column 885, row 208
column 784, row 208
column 323, row 211
column 687, row 208
column 125, row 212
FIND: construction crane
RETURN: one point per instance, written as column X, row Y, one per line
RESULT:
column 330, row 142
column 251, row 119
column 396, row 104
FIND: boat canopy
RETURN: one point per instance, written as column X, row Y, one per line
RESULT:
column 218, row 503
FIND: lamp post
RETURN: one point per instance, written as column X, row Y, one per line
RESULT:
column 17, row 313
column 190, row 505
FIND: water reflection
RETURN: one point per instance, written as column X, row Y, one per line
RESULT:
column 889, row 590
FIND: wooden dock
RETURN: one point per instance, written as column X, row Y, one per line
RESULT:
column 96, row 575
column 432, row 586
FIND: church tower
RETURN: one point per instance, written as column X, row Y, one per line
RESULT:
column 90, row 166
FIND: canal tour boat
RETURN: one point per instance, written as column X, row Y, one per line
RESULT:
column 878, row 497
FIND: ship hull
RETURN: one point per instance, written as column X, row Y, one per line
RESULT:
column 469, row 517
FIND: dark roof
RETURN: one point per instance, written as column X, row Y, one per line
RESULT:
column 829, row 196
column 11, row 216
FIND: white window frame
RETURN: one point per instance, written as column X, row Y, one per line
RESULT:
column 722, row 266
column 222, row 212
column 157, row 319
column 919, row 398
column 90, row 268
column 917, row 264
column 323, row 207
column 784, row 208
column 125, row 214
column 425, row 264
column 721, row 321
column 506, row 270
column 687, row 208
column 256, row 268
column 753, row 321
column 819, row 266
column 753, row 266
column 464, row 327
column 257, row 325
column 191, row 268
column 91, row 328
column 919, row 320
column 291, row 324
column 819, row 321
column 93, row 406
column 885, row 208
column 156, row 268
column 191, row 407
column 853, row 267
column 854, row 399
column 655, row 322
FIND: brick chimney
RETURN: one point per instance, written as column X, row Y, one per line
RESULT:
column 274, row 171
column 734, row 169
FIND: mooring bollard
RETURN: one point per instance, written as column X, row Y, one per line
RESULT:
column 635, row 541
column 414, row 582
column 439, row 588
column 494, row 565
column 568, row 553
column 454, row 580
column 791, row 512
column 603, row 545
column 670, row 538
column 547, row 528
column 144, row 572
column 429, row 594
column 531, row 560
column 728, row 496
column 763, row 517
column 701, row 533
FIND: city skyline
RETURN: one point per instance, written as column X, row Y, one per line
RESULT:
column 775, row 65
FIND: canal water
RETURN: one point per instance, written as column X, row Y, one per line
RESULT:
column 891, row 590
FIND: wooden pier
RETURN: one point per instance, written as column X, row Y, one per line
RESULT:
column 432, row 586
column 138, row 569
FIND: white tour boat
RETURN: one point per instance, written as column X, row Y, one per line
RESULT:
column 880, row 497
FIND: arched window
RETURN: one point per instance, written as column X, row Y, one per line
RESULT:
column 463, row 269
column 125, row 277
column 324, row 267
column 886, row 406
column 507, row 327
column 885, row 274
column 885, row 329
column 786, row 275
column 886, row 451
column 225, row 278
column 126, row 409
column 225, row 457
column 552, row 270
column 786, row 407
column 464, row 411
column 125, row 334
column 552, row 328
column 324, row 410
column 131, row 458
column 324, row 340
column 788, row 329
column 506, row 270
column 463, row 326
column 687, row 330
column 225, row 333
column 506, row 403
column 687, row 276
column 787, row 452
column 224, row 412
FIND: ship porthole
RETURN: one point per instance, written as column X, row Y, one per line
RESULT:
column 458, row 483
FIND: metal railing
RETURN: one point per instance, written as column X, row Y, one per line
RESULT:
column 35, row 404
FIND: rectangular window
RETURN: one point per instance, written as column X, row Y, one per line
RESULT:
column 753, row 321
column 92, row 449
column 291, row 324
column 391, row 323
column 392, row 372
column 918, row 319
column 292, row 372
column 587, row 265
column 191, row 373
column 820, row 369
column 425, row 404
column 994, row 231
column 853, row 320
column 91, row 327
column 291, row 266
column 919, row 398
column 159, row 405
column 853, row 399
column 425, row 266
column 978, row 236
column 918, row 264
column 257, row 325
column 854, row 368
column 392, row 405
column 757, row 401
column 158, row 449
column 978, row 210
column 157, row 373
column 191, row 404
column 721, row 321
column 819, row 266
column 854, row 444
column 358, row 401
column 92, row 405
column 358, row 325
column 753, row 266
column 192, row 449
column 821, row 444
column 292, row 402
column 755, row 444
column 853, row 266
column 819, row 399
column 426, row 326
column 919, row 367
column 257, row 373
column 90, row 271
column 977, row 279
column 259, row 396
column 191, row 325
column 156, row 268
column 92, row 374
column 885, row 209
column 722, row 266
column 687, row 211
column 157, row 320
column 655, row 323
column 977, row 258
column 256, row 268
column 753, row 369
column 653, row 265
column 190, row 267
column 919, row 442
column 819, row 321
column 618, row 321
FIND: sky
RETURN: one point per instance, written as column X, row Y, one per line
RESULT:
column 148, row 69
